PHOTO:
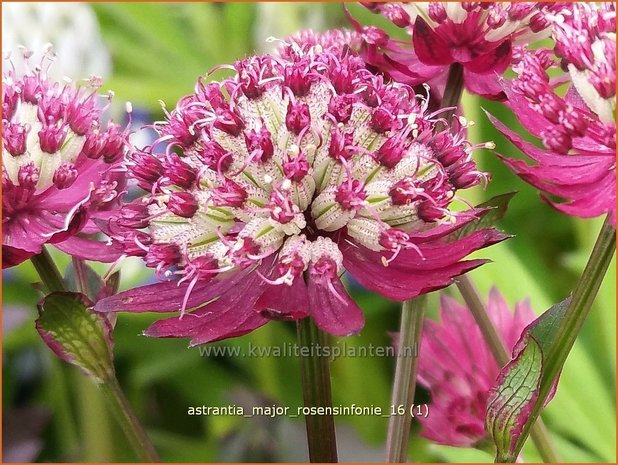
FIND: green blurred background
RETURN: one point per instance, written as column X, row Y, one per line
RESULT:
column 51, row 413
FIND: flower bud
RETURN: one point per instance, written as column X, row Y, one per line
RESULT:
column 297, row 117
column 260, row 143
column 28, row 176
column 182, row 204
column 65, row 175
column 178, row 172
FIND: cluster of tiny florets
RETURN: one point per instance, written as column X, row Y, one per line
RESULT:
column 333, row 40
column 585, row 48
column 286, row 159
column 57, row 155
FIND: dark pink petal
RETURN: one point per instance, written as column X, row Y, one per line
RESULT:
column 417, row 72
column 168, row 296
column 337, row 316
column 536, row 123
column 89, row 249
column 12, row 256
column 437, row 255
column 433, row 255
column 544, row 156
column 402, row 65
column 485, row 85
column 232, row 314
column 584, row 200
column 458, row 345
column 596, row 202
column 588, row 172
column 228, row 328
column 410, row 274
column 400, row 286
column 591, row 187
column 532, row 120
column 26, row 233
column 495, row 62
column 430, row 48
column 284, row 302
column 64, row 199
column 586, row 181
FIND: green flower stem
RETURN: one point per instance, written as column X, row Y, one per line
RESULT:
column 539, row 433
column 583, row 297
column 110, row 388
column 404, row 384
column 453, row 89
column 540, row 436
column 95, row 422
column 315, row 376
column 81, row 277
column 127, row 420
column 52, row 279
column 47, row 270
column 65, row 426
column 93, row 405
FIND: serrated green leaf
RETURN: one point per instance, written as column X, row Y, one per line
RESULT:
column 595, row 427
column 496, row 206
column 76, row 334
column 512, row 398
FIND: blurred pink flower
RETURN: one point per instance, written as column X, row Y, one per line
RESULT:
column 457, row 367
column 311, row 166
column 480, row 36
column 578, row 129
column 59, row 166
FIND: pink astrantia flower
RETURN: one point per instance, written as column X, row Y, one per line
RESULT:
column 478, row 35
column 59, row 166
column 458, row 368
column 279, row 178
column 578, row 129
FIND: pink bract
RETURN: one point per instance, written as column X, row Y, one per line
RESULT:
column 578, row 130
column 458, row 368
column 273, row 182
column 60, row 167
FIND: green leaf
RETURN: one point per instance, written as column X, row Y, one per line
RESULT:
column 595, row 427
column 93, row 284
column 77, row 334
column 496, row 209
column 113, row 283
column 512, row 398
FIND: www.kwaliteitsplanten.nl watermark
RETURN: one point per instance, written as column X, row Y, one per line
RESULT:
column 315, row 350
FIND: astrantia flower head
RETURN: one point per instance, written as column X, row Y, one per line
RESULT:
column 59, row 166
column 478, row 35
column 578, row 129
column 277, row 179
column 458, row 368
